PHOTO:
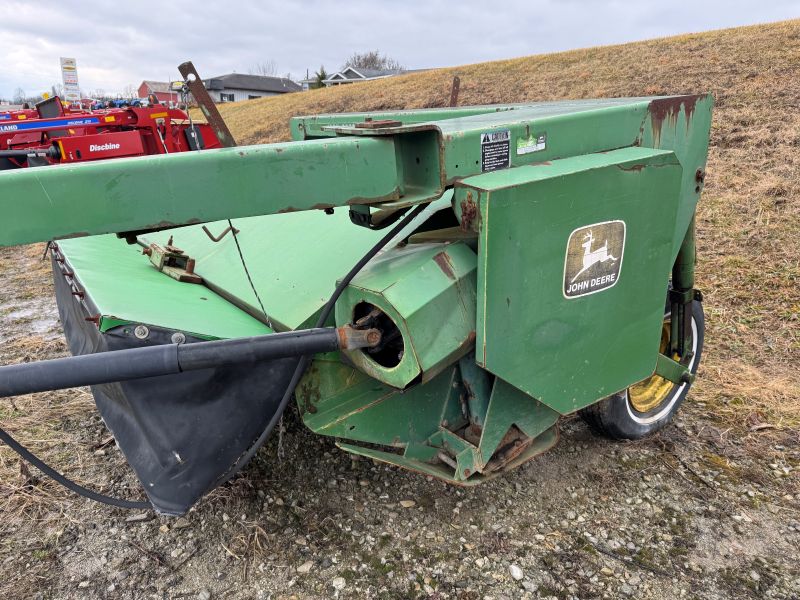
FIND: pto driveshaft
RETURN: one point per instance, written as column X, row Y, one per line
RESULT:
column 169, row 359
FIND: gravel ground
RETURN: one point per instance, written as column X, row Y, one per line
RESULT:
column 695, row 512
column 686, row 514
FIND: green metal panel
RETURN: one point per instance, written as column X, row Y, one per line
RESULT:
column 422, row 422
column 569, row 352
column 571, row 128
column 336, row 400
column 194, row 187
column 509, row 406
column 126, row 288
column 315, row 126
column 411, row 163
column 294, row 260
column 428, row 290
column 683, row 125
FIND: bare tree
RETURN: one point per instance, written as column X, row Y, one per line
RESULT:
column 19, row 96
column 130, row 91
column 372, row 60
column 268, row 68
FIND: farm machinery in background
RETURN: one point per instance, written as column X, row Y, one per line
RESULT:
column 51, row 134
column 435, row 288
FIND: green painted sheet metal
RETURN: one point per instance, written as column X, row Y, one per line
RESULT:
column 194, row 187
column 682, row 125
column 421, row 422
column 510, row 406
column 428, row 290
column 569, row 352
column 125, row 287
column 570, row 128
column 337, row 400
column 325, row 125
column 313, row 126
column 410, row 163
column 294, row 259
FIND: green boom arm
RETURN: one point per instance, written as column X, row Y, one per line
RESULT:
column 394, row 162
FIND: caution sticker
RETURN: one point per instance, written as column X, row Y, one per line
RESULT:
column 532, row 143
column 495, row 150
column 593, row 258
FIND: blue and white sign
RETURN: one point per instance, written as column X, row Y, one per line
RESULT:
column 48, row 124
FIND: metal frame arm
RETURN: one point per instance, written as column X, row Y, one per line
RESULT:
column 198, row 187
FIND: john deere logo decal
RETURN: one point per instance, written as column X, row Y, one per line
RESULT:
column 594, row 258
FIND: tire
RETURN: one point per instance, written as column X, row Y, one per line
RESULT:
column 617, row 416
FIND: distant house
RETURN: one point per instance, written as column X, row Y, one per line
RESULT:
column 160, row 89
column 235, row 87
column 307, row 84
column 353, row 75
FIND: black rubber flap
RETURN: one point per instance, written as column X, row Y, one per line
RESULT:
column 182, row 434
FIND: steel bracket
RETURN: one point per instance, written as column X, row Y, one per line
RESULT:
column 673, row 371
column 173, row 262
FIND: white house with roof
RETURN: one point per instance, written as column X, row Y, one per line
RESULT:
column 354, row 75
column 234, row 87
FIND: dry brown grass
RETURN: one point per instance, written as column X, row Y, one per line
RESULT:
column 749, row 218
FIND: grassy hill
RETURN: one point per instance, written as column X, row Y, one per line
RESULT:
column 749, row 217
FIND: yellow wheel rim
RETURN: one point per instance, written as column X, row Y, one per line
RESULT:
column 648, row 394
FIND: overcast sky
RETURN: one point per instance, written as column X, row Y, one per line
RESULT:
column 122, row 43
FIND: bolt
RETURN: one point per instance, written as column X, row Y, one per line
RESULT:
column 141, row 332
column 699, row 175
column 373, row 337
column 178, row 338
column 190, row 266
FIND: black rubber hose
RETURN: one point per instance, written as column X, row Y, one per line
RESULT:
column 155, row 361
column 68, row 483
column 51, row 152
column 323, row 317
column 88, row 369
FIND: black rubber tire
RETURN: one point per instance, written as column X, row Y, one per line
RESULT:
column 614, row 416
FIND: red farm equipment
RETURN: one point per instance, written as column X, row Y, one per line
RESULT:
column 52, row 135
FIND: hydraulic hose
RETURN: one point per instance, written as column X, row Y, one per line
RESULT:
column 51, row 152
column 169, row 359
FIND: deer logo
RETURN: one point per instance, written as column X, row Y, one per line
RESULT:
column 592, row 257
column 589, row 265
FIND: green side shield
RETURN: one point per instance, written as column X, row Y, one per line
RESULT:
column 574, row 257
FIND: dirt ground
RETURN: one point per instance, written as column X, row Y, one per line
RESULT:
column 709, row 508
column 695, row 512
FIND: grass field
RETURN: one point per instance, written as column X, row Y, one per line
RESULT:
column 749, row 216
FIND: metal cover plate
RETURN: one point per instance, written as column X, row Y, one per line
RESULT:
column 571, row 351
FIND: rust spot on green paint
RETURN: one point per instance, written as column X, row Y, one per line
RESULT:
column 667, row 109
column 445, row 264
